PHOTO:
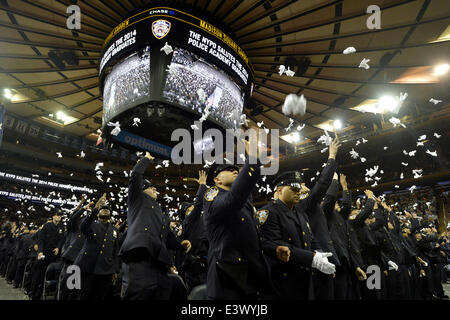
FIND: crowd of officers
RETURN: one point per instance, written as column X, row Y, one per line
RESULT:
column 303, row 245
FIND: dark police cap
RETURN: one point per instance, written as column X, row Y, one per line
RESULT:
column 146, row 184
column 105, row 207
column 215, row 169
column 290, row 178
column 58, row 213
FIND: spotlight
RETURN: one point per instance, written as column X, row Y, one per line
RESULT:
column 387, row 103
column 441, row 69
column 60, row 116
column 295, row 137
column 8, row 94
column 337, row 124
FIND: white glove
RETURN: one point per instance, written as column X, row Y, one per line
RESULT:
column 392, row 265
column 320, row 262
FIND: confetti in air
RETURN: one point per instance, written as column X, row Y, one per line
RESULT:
column 349, row 50
column 167, row 49
column 208, row 163
column 136, row 121
column 291, row 122
column 290, row 73
column 116, row 129
column 363, row 64
column 354, row 154
column 435, row 101
column 434, row 153
column 396, row 122
column 294, row 105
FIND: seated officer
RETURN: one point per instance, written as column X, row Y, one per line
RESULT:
column 288, row 241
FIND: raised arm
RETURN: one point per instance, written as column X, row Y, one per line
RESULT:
column 136, row 177
column 367, row 210
column 320, row 187
column 347, row 197
column 330, row 198
column 198, row 203
column 242, row 187
column 85, row 226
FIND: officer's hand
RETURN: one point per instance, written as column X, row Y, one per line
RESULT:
column 360, row 274
column 149, row 156
column 422, row 273
column 334, row 147
column 173, row 270
column 56, row 251
column 100, row 202
column 335, row 176
column 390, row 226
column 40, row 255
column 89, row 205
column 283, row 253
column 201, row 177
column 369, row 194
column 186, row 245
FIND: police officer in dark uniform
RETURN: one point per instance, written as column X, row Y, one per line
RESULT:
column 69, row 252
column 310, row 204
column 145, row 250
column 24, row 249
column 194, row 264
column 98, row 258
column 340, row 235
column 49, row 244
column 237, row 268
column 289, row 243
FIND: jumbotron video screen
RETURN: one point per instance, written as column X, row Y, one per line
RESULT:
column 194, row 83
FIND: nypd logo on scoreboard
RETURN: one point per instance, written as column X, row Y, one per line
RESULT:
column 160, row 28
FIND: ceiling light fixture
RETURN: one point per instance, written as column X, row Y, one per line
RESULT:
column 337, row 124
column 441, row 69
column 387, row 103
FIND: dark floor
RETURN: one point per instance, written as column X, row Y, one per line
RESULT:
column 7, row 292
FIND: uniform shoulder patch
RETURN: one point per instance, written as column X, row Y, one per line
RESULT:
column 211, row 193
column 262, row 216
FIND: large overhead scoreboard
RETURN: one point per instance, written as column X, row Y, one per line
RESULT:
column 206, row 68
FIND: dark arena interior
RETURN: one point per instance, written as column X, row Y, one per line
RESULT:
column 257, row 151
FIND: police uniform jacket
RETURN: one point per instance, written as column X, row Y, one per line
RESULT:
column 311, row 206
column 50, row 237
column 25, row 246
column 281, row 226
column 75, row 238
column 192, row 225
column 99, row 252
column 148, row 234
column 339, row 231
column 236, row 265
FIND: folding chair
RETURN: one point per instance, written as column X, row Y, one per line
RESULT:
column 51, row 279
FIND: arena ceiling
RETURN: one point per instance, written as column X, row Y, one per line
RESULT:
column 415, row 32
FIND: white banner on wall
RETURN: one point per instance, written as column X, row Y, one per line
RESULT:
column 40, row 182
